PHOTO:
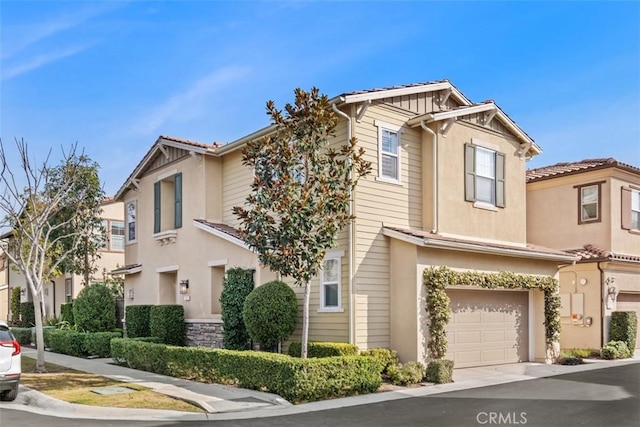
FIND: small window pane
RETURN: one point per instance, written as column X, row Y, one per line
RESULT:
column 117, row 235
column 635, row 220
column 589, row 194
column 331, row 270
column 331, row 295
column 589, row 202
column 389, row 166
column 485, row 190
column 389, row 142
column 485, row 163
column 635, row 200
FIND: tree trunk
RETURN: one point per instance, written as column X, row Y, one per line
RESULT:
column 37, row 299
column 86, row 261
column 305, row 320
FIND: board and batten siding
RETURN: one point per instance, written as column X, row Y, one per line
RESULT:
column 381, row 203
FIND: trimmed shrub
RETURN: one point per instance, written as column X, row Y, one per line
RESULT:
column 237, row 286
column 580, row 353
column 270, row 313
column 440, row 371
column 384, row 356
column 119, row 349
column 22, row 335
column 66, row 342
column 27, row 314
column 66, row 312
column 295, row 379
column 624, row 327
column 323, row 349
column 94, row 310
column 15, row 305
column 99, row 343
column 167, row 323
column 615, row 350
column 137, row 319
column 405, row 374
column 570, row 361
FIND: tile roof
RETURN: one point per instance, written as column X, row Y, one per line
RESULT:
column 221, row 227
column 381, row 89
column 569, row 168
column 530, row 248
column 188, row 142
column 590, row 253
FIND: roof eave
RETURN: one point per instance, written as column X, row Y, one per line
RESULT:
column 388, row 93
column 221, row 234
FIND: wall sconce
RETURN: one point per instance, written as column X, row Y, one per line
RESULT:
column 130, row 294
column 46, row 291
column 23, row 291
column 583, row 281
column 184, row 286
column 611, row 292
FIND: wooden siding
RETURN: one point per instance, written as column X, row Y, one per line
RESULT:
column 418, row 103
column 160, row 160
column 237, row 180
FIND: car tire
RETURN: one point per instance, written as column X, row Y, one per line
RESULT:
column 9, row 396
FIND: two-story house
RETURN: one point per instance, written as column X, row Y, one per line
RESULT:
column 447, row 189
column 65, row 288
column 591, row 208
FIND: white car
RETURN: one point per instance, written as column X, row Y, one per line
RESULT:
column 10, row 366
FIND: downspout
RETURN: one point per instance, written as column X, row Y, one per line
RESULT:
column 54, row 297
column 434, row 138
column 602, row 303
column 352, row 318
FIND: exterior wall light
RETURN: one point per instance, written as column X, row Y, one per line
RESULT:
column 184, row 286
column 130, row 294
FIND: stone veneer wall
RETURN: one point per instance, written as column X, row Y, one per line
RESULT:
column 204, row 333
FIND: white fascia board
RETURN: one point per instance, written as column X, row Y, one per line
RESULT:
column 465, row 111
column 517, row 131
column 388, row 93
column 185, row 147
column 126, row 271
column 222, row 235
column 168, row 269
column 402, row 236
column 239, row 143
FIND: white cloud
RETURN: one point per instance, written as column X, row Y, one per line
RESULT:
column 191, row 102
column 40, row 60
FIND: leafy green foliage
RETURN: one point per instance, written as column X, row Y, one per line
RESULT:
column 99, row 343
column 237, row 286
column 572, row 361
column 297, row 380
column 405, row 374
column 138, row 319
column 301, row 191
column 95, row 309
column 384, row 356
column 324, row 349
column 615, row 350
column 581, row 353
column 167, row 323
column 66, row 312
column 624, row 327
column 15, row 305
column 436, row 279
column 27, row 314
column 440, row 371
column 66, row 342
column 22, row 335
column 270, row 313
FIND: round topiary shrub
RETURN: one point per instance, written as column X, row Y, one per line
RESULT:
column 95, row 309
column 270, row 313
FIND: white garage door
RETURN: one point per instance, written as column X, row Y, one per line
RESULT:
column 630, row 302
column 488, row 327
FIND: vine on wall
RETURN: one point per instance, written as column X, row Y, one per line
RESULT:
column 436, row 280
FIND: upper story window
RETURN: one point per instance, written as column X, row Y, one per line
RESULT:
column 131, row 208
column 484, row 176
column 631, row 209
column 388, row 151
column 167, row 203
column 331, row 283
column 589, row 203
column 114, row 236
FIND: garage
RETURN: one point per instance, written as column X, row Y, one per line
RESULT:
column 488, row 327
column 630, row 302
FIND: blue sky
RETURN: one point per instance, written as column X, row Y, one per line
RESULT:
column 115, row 75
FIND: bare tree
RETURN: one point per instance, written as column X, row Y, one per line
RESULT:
column 37, row 204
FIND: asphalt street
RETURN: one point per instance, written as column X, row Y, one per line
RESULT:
column 601, row 397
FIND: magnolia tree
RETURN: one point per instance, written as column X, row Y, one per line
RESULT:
column 301, row 192
column 46, row 217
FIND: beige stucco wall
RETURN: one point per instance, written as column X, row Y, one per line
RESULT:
column 622, row 241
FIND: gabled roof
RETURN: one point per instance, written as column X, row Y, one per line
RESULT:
column 409, row 89
column 571, row 168
column 436, row 241
column 221, row 230
column 590, row 253
column 127, row 269
column 162, row 141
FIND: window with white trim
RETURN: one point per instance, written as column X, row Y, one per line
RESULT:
column 630, row 209
column 635, row 209
column 388, row 151
column 112, row 235
column 484, row 176
column 331, row 282
column 131, row 212
column 589, row 202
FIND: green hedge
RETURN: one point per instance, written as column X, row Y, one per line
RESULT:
column 99, row 343
column 119, row 350
column 79, row 344
column 615, row 350
column 295, row 379
column 323, row 349
column 384, row 356
column 167, row 323
column 624, row 327
column 137, row 320
column 94, row 310
column 237, row 285
column 27, row 314
column 405, row 374
column 22, row 335
column 66, row 312
column 440, row 371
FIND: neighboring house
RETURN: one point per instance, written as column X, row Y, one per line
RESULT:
column 65, row 288
column 591, row 208
column 447, row 189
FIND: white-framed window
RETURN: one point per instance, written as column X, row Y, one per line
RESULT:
column 331, row 282
column 635, row 209
column 484, row 175
column 589, row 203
column 68, row 290
column 389, row 157
column 116, row 236
column 131, row 212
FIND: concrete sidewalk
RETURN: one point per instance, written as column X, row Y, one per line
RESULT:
column 222, row 402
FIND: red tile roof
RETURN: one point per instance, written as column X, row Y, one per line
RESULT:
column 569, row 168
column 590, row 253
column 188, row 142
column 221, row 227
